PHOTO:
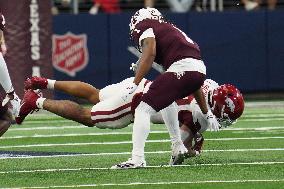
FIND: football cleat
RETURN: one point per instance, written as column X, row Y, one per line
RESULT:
column 36, row 83
column 28, row 105
column 130, row 164
column 198, row 143
column 14, row 101
column 179, row 154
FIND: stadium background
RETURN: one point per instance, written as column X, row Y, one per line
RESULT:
column 239, row 47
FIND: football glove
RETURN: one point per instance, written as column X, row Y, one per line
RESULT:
column 212, row 122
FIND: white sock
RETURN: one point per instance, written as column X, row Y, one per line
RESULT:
column 39, row 102
column 141, row 130
column 50, row 83
column 170, row 116
column 5, row 79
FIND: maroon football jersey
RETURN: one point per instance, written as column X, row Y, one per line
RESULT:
column 2, row 22
column 171, row 43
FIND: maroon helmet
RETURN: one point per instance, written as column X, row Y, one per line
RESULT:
column 227, row 104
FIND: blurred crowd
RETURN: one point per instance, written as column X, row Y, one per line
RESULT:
column 181, row 6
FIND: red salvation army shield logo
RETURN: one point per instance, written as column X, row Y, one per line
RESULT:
column 70, row 53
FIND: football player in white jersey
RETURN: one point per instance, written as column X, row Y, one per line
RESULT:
column 110, row 110
column 5, row 79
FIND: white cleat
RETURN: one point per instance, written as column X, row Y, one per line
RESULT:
column 15, row 102
column 130, row 164
column 179, row 153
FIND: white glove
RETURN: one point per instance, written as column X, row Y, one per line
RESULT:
column 14, row 101
column 134, row 66
column 212, row 122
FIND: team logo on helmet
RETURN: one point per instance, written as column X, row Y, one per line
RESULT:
column 70, row 53
column 227, row 104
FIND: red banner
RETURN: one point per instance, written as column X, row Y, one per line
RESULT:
column 28, row 38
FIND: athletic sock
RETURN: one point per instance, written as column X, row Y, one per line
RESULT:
column 50, row 83
column 39, row 102
column 170, row 116
column 141, row 130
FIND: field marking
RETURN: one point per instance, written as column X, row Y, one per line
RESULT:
column 97, row 134
column 263, row 115
column 149, row 183
column 129, row 153
column 157, row 166
column 126, row 142
column 124, row 132
column 73, row 134
column 261, row 119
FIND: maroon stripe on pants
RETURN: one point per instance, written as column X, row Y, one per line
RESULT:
column 111, row 119
column 111, row 111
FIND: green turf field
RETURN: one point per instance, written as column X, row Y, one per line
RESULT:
column 248, row 155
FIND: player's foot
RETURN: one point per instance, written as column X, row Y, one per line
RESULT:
column 28, row 105
column 36, row 83
column 130, row 164
column 14, row 101
column 179, row 153
column 198, row 142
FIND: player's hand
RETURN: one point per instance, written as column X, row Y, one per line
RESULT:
column 212, row 122
column 133, row 67
column 3, row 48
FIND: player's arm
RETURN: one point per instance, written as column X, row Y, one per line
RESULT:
column 147, row 58
column 200, row 99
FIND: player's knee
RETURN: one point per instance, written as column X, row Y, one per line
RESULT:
column 145, row 108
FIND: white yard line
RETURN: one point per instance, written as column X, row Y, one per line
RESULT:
column 118, row 132
column 128, row 153
column 262, row 115
column 149, row 183
column 127, row 142
column 158, row 166
column 82, row 134
column 261, row 119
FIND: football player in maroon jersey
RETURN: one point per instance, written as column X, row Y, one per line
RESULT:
column 168, row 46
column 5, row 79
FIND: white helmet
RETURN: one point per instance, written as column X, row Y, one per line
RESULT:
column 142, row 14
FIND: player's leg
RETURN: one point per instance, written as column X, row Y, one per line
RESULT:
column 4, row 126
column 5, row 120
column 74, row 88
column 64, row 108
column 6, row 83
column 67, row 109
column 79, row 89
column 5, row 79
